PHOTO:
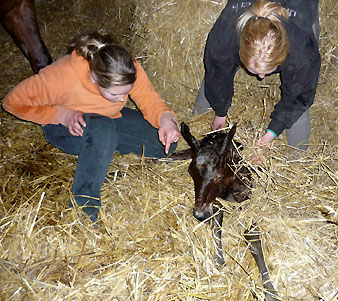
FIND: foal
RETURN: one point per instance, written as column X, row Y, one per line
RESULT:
column 215, row 174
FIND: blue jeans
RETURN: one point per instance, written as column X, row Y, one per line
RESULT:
column 101, row 138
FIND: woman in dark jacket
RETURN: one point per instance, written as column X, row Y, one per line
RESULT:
column 265, row 37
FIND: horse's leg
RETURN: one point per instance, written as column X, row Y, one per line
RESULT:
column 6, row 6
column 216, row 226
column 21, row 23
column 253, row 238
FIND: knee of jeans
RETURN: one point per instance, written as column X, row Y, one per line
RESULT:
column 94, row 121
column 101, row 133
column 100, row 129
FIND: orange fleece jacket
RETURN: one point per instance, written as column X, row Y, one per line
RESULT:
column 66, row 83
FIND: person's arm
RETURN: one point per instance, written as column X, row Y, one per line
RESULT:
column 154, row 109
column 219, row 84
column 24, row 101
column 148, row 101
column 36, row 99
column 299, row 82
column 71, row 119
column 221, row 62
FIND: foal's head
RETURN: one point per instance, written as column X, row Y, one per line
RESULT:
column 210, row 168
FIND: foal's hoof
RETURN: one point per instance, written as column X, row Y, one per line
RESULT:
column 220, row 261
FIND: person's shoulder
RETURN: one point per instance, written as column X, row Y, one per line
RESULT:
column 61, row 71
column 302, row 52
column 302, row 13
column 300, row 40
column 225, row 24
column 233, row 9
column 59, row 63
column 223, row 38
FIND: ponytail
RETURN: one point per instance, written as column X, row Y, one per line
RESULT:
column 263, row 39
column 261, row 10
column 88, row 45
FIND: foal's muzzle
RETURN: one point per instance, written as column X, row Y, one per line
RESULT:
column 202, row 215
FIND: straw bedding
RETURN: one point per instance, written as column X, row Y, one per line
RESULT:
column 148, row 246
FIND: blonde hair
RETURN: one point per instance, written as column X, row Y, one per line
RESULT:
column 110, row 63
column 263, row 39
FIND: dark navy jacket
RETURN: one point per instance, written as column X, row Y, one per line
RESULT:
column 299, row 73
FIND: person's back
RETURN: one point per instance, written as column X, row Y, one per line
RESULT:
column 264, row 37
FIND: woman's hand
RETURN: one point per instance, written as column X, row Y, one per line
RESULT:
column 73, row 120
column 75, row 123
column 218, row 123
column 266, row 139
column 168, row 132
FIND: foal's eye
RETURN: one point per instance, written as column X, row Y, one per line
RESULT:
column 200, row 160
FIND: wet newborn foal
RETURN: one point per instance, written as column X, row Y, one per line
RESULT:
column 216, row 172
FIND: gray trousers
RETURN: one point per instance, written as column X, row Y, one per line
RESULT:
column 297, row 136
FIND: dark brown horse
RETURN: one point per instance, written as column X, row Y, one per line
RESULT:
column 19, row 19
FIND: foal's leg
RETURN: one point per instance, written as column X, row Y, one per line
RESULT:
column 255, row 245
column 216, row 226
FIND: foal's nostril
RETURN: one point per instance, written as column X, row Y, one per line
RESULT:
column 201, row 216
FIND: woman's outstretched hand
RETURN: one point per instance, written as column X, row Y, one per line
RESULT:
column 168, row 132
column 265, row 140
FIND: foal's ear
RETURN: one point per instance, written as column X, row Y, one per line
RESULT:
column 190, row 139
column 232, row 132
column 228, row 141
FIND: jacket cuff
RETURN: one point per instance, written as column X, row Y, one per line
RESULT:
column 221, row 111
column 220, row 114
column 271, row 131
column 168, row 115
column 276, row 127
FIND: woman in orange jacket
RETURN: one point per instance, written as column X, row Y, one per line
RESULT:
column 80, row 101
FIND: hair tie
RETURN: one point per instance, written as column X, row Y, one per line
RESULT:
column 255, row 18
column 100, row 46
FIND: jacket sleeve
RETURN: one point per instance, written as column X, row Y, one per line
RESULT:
column 299, row 81
column 148, row 101
column 219, row 83
column 221, row 62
